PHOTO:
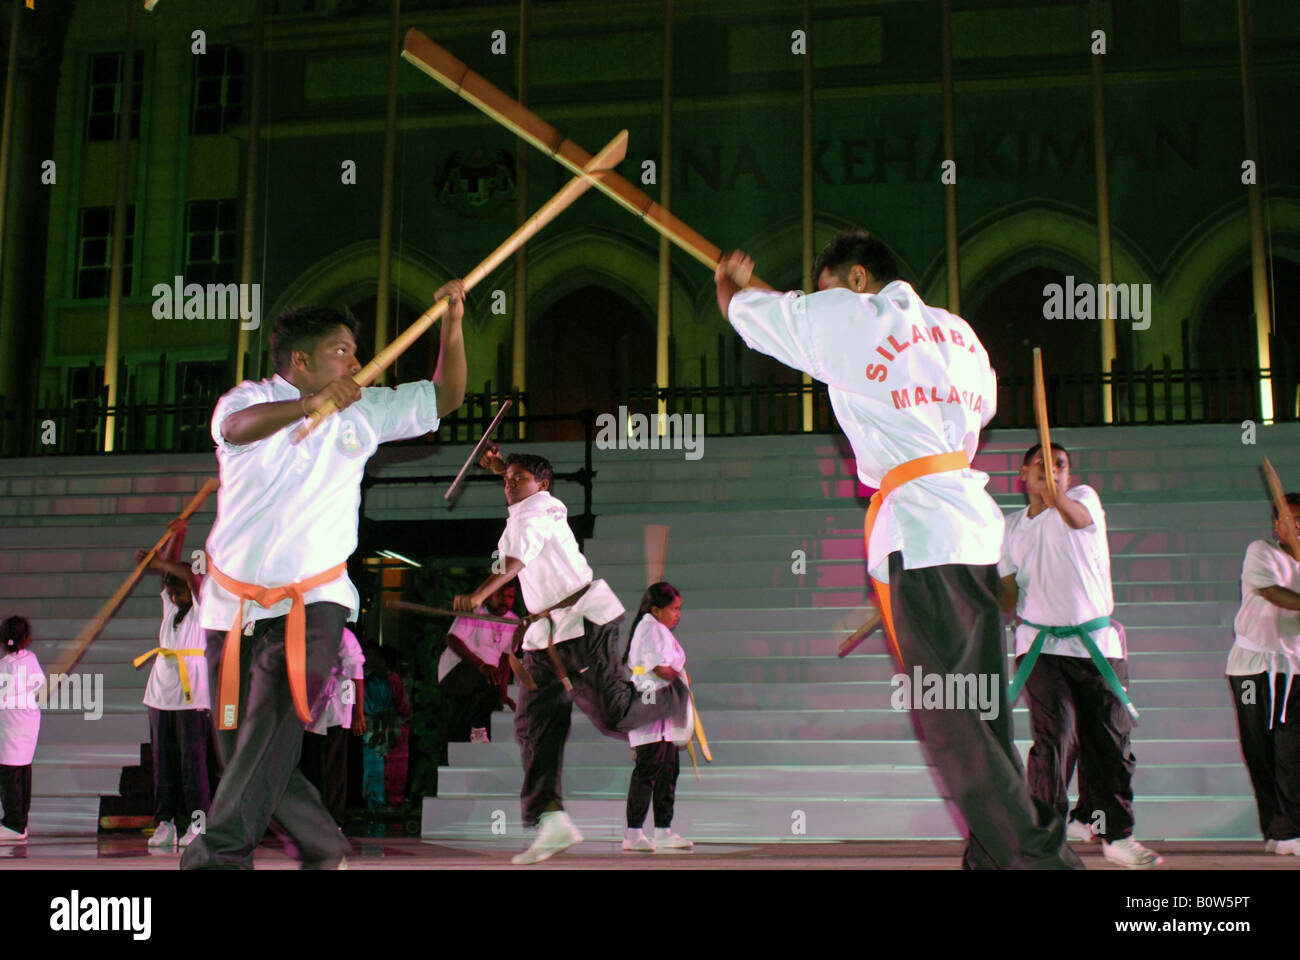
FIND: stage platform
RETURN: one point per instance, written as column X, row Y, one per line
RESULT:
column 409, row 853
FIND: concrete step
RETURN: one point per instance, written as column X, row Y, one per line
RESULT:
column 772, row 821
column 720, row 782
column 62, row 816
column 886, row 723
column 503, row 751
column 111, row 728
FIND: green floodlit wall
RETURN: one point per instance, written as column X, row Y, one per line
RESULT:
column 1026, row 185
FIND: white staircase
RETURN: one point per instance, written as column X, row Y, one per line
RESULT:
column 807, row 745
column 801, row 738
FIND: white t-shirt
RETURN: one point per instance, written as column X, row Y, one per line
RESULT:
column 287, row 512
column 164, row 690
column 486, row 640
column 334, row 703
column 537, row 532
column 905, row 380
column 20, row 717
column 653, row 645
column 1063, row 576
column 1263, row 628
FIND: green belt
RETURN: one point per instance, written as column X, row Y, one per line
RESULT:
column 1083, row 632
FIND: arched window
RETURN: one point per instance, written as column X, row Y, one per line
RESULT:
column 1010, row 322
column 1225, row 352
column 587, row 350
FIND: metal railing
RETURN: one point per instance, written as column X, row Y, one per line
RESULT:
column 1152, row 396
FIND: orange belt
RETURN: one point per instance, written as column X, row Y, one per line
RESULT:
column 899, row 475
column 295, row 639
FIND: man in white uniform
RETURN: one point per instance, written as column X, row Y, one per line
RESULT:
column 911, row 387
column 1261, row 673
column 1055, row 571
column 470, row 671
column 277, row 560
column 572, row 654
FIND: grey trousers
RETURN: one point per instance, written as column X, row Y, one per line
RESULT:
column 260, row 778
column 948, row 622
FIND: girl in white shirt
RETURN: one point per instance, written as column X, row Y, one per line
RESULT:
column 20, row 723
column 656, row 660
column 1261, row 668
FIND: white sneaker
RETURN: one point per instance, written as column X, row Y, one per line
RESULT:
column 1270, row 846
column 665, row 839
column 164, row 835
column 555, row 832
column 479, row 735
column 190, row 836
column 1284, row 847
column 1078, row 830
column 1129, row 853
column 635, row 841
column 11, row 836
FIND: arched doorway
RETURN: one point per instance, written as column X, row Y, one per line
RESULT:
column 586, row 351
column 1010, row 323
column 1225, row 347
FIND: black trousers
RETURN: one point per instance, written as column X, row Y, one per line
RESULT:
column 260, row 778
column 325, row 764
column 16, row 796
column 180, row 764
column 655, row 775
column 948, row 621
column 471, row 698
column 544, row 715
column 1272, row 756
column 1068, row 699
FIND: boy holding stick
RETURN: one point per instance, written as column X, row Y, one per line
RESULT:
column 277, row 560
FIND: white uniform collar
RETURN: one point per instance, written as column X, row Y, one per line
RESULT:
column 539, row 502
column 282, row 389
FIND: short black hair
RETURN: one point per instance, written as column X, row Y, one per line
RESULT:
column 1292, row 500
column 15, row 634
column 1029, row 454
column 302, row 328
column 856, row 247
column 539, row 467
column 175, row 582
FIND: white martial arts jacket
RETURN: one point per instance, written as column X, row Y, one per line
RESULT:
column 906, row 380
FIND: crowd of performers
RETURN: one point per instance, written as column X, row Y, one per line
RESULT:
column 259, row 647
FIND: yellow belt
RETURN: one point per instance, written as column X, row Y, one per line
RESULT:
column 180, row 656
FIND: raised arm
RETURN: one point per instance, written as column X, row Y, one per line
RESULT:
column 452, row 372
column 164, row 566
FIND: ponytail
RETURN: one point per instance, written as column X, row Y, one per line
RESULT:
column 658, row 595
column 15, row 634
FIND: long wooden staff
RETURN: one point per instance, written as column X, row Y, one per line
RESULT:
column 1287, row 524
column 419, row 50
column 611, row 156
column 1040, row 416
column 851, row 642
column 92, row 630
